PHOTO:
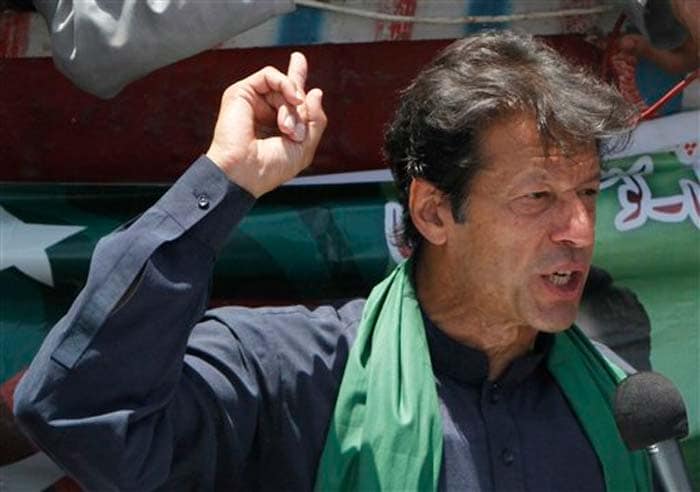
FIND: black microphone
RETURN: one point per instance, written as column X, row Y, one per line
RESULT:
column 650, row 413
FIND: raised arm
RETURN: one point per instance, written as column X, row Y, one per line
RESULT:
column 108, row 396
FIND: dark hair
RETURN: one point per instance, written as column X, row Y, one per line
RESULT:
column 436, row 129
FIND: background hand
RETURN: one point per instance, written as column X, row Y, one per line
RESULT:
column 680, row 60
column 268, row 129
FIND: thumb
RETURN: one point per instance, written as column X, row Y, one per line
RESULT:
column 317, row 120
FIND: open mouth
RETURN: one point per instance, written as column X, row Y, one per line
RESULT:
column 560, row 278
column 564, row 281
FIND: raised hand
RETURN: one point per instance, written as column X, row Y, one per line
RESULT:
column 268, row 129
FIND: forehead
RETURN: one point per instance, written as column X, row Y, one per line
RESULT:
column 512, row 147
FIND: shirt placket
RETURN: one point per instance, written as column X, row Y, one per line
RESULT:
column 504, row 449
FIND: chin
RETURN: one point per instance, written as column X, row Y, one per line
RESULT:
column 555, row 320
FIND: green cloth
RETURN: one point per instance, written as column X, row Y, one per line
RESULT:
column 386, row 430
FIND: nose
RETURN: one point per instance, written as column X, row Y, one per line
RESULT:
column 574, row 225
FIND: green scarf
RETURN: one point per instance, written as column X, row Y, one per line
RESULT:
column 386, row 430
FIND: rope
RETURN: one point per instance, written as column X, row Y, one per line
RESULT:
column 472, row 19
column 673, row 92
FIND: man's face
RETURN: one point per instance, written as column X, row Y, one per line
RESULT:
column 523, row 253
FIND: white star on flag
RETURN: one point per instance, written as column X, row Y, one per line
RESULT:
column 23, row 245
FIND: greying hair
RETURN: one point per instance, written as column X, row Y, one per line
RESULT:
column 471, row 83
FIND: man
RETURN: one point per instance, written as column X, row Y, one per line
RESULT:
column 671, row 34
column 457, row 373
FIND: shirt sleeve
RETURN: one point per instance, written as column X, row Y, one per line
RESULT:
column 108, row 395
column 102, row 45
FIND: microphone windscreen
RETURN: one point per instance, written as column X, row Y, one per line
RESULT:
column 649, row 409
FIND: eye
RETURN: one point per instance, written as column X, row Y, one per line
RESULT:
column 532, row 203
column 589, row 196
column 590, row 192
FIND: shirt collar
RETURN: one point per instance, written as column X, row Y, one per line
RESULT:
column 471, row 366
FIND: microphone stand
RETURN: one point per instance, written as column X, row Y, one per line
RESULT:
column 669, row 467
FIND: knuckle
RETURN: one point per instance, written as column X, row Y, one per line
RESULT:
column 270, row 71
column 233, row 91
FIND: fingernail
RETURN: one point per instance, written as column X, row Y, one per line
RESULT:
column 299, row 132
column 299, row 95
column 289, row 123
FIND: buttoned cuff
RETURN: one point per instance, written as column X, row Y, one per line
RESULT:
column 207, row 203
column 203, row 205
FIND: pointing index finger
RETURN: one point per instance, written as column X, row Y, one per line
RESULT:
column 297, row 71
column 291, row 118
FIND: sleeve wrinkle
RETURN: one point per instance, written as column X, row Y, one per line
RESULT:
column 107, row 394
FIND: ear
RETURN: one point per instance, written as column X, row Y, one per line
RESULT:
column 430, row 211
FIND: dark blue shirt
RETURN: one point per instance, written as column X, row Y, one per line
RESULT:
column 138, row 388
column 515, row 433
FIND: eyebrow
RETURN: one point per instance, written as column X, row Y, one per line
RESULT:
column 539, row 176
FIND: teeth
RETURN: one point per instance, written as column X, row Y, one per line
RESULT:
column 559, row 278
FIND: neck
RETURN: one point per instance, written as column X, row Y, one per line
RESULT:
column 460, row 317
